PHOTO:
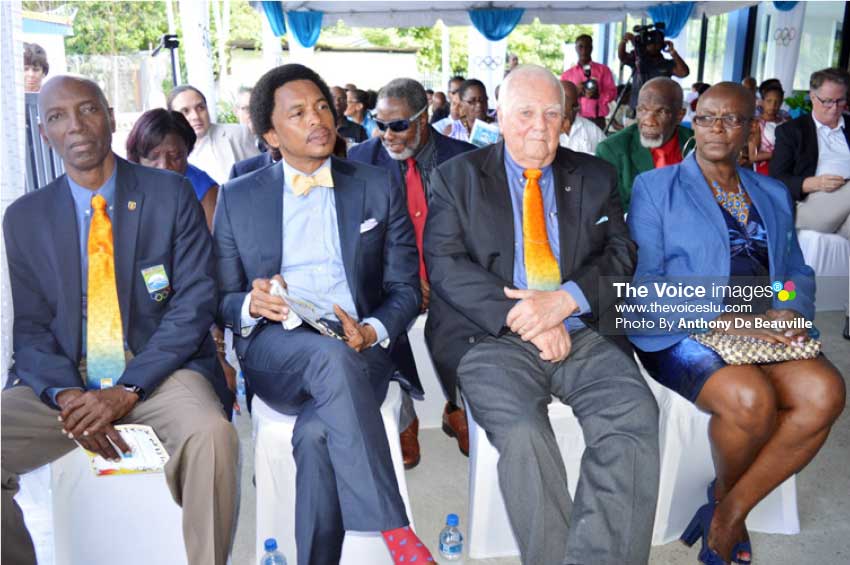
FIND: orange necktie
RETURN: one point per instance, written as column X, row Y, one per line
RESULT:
column 541, row 268
column 104, row 335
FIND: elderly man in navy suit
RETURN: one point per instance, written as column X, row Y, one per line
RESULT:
column 114, row 330
column 410, row 150
column 336, row 234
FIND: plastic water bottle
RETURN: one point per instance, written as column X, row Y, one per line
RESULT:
column 451, row 540
column 272, row 556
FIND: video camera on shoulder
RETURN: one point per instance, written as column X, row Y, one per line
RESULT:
column 650, row 34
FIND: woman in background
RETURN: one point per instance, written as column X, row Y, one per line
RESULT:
column 164, row 139
column 771, row 116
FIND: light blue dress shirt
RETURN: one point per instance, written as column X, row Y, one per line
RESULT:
column 311, row 261
column 516, row 183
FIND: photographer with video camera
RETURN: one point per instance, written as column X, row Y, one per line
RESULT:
column 647, row 57
column 595, row 82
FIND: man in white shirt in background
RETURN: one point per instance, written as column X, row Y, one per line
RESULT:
column 577, row 133
column 219, row 146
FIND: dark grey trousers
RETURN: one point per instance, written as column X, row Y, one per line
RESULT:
column 508, row 388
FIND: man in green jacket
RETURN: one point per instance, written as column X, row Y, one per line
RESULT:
column 655, row 141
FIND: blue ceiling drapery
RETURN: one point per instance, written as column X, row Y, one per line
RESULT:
column 305, row 26
column 785, row 6
column 274, row 13
column 495, row 24
column 674, row 16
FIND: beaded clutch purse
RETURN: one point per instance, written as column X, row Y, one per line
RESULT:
column 746, row 350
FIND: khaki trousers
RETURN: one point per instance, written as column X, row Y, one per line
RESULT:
column 826, row 212
column 185, row 413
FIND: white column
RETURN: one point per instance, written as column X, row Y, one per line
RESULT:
column 195, row 18
column 12, row 150
column 486, row 61
column 783, row 45
column 272, row 53
column 297, row 52
column 445, row 52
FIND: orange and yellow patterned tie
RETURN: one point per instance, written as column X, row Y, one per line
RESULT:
column 104, row 335
column 541, row 268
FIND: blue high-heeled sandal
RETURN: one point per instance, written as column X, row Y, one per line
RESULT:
column 740, row 547
column 698, row 528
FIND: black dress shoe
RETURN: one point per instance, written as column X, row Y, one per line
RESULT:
column 847, row 327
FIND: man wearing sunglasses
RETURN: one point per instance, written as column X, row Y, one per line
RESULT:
column 656, row 140
column 812, row 156
column 410, row 150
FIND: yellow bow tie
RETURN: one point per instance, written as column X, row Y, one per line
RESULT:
column 302, row 184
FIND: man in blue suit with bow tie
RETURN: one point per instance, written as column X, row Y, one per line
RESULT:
column 333, row 233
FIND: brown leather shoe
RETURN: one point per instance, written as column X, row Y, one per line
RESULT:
column 410, row 445
column 454, row 425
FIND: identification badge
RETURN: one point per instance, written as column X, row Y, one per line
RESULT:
column 156, row 282
column 105, row 383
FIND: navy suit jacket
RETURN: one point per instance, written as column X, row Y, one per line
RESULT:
column 157, row 220
column 374, row 153
column 681, row 235
column 381, row 264
column 250, row 164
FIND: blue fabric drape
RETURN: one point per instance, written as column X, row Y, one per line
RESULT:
column 675, row 17
column 495, row 24
column 785, row 6
column 274, row 13
column 305, row 26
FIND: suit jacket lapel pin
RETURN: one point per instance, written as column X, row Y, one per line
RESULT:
column 131, row 205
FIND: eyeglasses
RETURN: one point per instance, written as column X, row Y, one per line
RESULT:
column 729, row 121
column 830, row 102
column 399, row 126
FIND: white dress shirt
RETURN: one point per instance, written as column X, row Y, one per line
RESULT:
column 584, row 136
column 833, row 151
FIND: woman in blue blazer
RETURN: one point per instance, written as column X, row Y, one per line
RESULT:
column 707, row 222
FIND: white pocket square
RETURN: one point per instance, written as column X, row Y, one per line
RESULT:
column 601, row 220
column 368, row 225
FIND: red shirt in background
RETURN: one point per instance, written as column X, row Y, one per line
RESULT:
column 668, row 154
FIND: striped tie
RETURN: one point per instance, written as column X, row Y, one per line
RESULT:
column 541, row 268
column 104, row 336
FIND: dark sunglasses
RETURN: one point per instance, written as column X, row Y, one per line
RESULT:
column 399, row 126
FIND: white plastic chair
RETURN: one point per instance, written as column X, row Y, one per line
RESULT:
column 686, row 470
column 77, row 517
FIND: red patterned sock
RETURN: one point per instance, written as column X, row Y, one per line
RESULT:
column 406, row 547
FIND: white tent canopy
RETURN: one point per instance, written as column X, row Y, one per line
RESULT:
column 454, row 13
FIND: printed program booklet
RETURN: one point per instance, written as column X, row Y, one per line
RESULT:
column 148, row 455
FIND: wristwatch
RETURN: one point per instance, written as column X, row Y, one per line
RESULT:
column 134, row 389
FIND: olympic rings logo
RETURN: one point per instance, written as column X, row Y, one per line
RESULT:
column 784, row 35
column 488, row 62
column 161, row 295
